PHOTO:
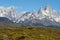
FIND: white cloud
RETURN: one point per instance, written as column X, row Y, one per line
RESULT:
column 11, row 7
column 23, row 12
column 2, row 8
column 16, row 8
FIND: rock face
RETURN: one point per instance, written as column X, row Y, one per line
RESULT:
column 48, row 9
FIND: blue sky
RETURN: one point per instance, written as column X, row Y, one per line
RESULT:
column 29, row 5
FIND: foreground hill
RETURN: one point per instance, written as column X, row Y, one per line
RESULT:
column 29, row 33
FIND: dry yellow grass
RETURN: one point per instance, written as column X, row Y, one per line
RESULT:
column 29, row 33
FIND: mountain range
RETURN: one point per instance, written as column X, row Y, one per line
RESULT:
column 44, row 17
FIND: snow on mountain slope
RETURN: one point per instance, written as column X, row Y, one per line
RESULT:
column 9, row 13
column 46, row 17
column 27, row 16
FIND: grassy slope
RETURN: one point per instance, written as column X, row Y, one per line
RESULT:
column 29, row 33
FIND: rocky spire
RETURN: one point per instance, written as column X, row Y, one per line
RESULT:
column 48, row 8
column 40, row 10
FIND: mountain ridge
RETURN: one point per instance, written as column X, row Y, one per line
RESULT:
column 44, row 17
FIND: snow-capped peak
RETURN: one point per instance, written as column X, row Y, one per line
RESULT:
column 27, row 16
column 8, row 13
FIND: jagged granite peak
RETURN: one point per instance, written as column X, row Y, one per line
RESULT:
column 48, row 12
column 40, row 10
column 48, row 9
column 9, row 13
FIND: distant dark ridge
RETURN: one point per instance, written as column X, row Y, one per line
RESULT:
column 5, row 20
